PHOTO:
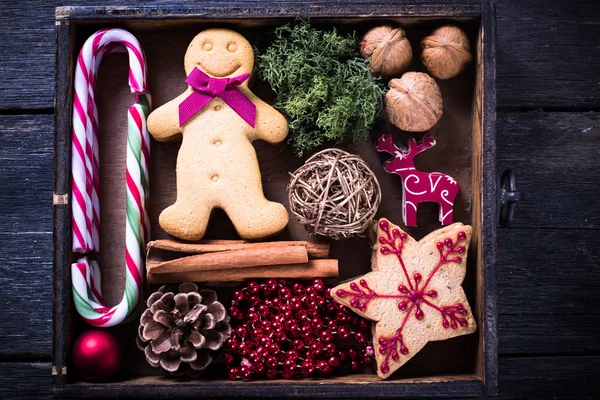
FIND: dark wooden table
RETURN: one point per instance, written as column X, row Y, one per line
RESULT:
column 548, row 92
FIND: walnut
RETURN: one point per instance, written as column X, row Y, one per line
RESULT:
column 414, row 102
column 389, row 50
column 446, row 52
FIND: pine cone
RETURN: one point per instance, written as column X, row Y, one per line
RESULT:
column 182, row 333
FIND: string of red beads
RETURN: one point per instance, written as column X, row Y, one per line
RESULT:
column 290, row 329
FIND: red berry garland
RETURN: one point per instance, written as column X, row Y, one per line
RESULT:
column 289, row 329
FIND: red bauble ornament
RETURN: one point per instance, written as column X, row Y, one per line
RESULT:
column 96, row 356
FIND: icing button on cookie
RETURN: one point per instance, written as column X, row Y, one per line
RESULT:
column 217, row 143
column 214, row 178
column 217, row 108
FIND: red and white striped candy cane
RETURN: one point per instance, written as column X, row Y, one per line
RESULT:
column 85, row 274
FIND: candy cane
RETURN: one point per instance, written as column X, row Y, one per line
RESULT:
column 85, row 274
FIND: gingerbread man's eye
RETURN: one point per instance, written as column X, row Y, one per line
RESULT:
column 232, row 47
column 207, row 46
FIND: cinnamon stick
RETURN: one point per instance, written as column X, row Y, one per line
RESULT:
column 205, row 246
column 270, row 254
column 311, row 269
column 314, row 250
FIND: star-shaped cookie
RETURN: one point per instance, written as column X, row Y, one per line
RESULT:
column 414, row 292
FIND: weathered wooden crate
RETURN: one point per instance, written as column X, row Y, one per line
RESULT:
column 464, row 366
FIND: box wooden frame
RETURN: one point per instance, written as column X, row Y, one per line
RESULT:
column 484, row 209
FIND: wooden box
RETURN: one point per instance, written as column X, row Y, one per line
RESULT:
column 460, row 367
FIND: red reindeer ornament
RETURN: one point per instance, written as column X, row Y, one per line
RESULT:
column 418, row 186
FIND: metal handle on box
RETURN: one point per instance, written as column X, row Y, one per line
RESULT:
column 508, row 197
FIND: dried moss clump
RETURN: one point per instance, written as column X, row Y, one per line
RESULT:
column 326, row 91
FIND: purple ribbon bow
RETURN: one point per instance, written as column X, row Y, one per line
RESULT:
column 207, row 88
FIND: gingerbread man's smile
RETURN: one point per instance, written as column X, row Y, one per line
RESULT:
column 220, row 74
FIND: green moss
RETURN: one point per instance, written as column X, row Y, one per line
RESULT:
column 326, row 91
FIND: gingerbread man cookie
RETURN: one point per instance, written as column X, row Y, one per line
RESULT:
column 219, row 117
column 414, row 292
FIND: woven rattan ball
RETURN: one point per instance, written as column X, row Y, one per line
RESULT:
column 334, row 194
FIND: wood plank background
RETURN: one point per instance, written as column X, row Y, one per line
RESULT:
column 548, row 132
